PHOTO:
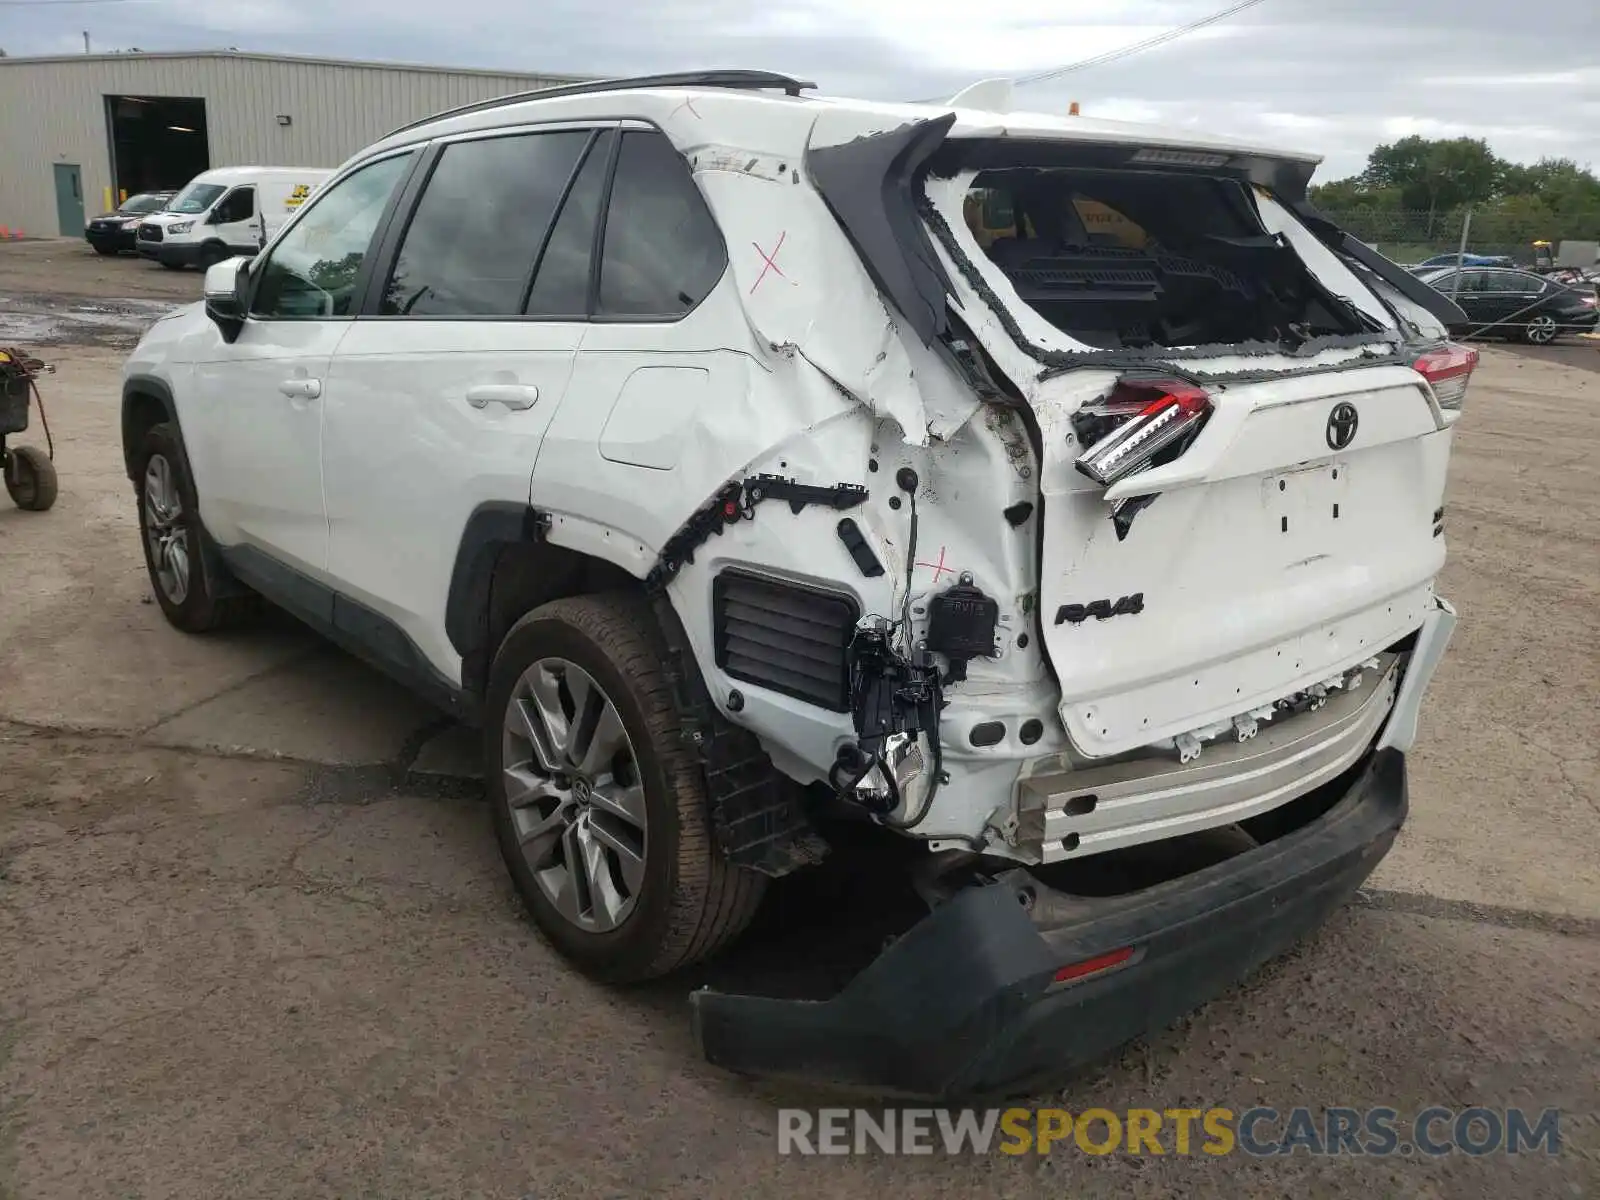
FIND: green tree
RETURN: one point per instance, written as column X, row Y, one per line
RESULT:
column 1348, row 194
column 1399, row 164
column 1435, row 174
column 1411, row 192
column 1561, row 183
column 1514, row 220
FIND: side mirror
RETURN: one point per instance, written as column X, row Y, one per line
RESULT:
column 226, row 292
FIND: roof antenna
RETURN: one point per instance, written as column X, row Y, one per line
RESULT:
column 990, row 95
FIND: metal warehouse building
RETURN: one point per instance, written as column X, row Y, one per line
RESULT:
column 77, row 132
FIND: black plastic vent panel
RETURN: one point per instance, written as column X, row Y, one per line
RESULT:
column 784, row 636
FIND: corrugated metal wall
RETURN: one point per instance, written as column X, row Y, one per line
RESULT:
column 53, row 111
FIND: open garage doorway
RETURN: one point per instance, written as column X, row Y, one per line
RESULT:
column 158, row 143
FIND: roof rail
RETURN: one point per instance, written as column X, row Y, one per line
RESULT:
column 753, row 80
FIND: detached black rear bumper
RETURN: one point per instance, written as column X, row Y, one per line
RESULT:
column 966, row 1003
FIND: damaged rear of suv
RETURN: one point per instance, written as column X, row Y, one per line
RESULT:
column 1153, row 516
column 1060, row 498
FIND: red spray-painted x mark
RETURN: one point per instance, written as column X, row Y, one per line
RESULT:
column 938, row 568
column 771, row 263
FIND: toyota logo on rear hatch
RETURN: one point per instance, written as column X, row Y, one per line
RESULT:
column 1342, row 422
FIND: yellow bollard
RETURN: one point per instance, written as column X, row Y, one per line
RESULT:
column 107, row 195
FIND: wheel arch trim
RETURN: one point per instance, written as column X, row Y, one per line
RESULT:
column 491, row 526
column 137, row 390
column 512, row 556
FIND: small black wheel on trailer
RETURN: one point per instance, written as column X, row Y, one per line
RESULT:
column 30, row 478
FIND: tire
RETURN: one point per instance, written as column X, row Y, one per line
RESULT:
column 1540, row 330
column 211, row 254
column 30, row 478
column 195, row 607
column 108, row 251
column 687, row 901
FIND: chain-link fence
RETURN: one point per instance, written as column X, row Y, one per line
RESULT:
column 1406, row 236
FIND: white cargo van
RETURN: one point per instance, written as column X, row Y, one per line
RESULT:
column 229, row 211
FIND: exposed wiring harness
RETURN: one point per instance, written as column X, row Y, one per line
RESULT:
column 894, row 692
column 911, row 656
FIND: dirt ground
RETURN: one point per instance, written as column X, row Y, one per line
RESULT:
column 255, row 939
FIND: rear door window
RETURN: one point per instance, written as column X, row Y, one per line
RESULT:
column 473, row 239
column 663, row 251
column 561, row 282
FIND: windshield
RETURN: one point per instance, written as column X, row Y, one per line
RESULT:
column 197, row 197
column 144, row 202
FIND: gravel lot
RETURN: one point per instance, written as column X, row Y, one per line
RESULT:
column 255, row 939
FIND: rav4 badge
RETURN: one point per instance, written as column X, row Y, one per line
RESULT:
column 1100, row 610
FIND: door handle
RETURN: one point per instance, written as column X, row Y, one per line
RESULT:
column 301, row 389
column 515, row 396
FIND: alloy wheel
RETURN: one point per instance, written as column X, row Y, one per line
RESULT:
column 1542, row 330
column 572, row 785
column 166, row 531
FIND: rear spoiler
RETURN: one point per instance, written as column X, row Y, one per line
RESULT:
column 1403, row 281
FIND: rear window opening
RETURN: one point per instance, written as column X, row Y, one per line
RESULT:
column 1133, row 259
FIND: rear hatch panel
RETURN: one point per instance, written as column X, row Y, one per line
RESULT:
column 1276, row 555
column 1267, row 564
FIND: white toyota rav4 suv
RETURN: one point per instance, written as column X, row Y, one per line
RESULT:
column 1062, row 496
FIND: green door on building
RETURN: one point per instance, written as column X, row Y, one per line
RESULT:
column 69, row 199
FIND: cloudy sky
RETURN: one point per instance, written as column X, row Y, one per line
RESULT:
column 1332, row 76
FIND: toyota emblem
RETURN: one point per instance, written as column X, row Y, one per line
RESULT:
column 1342, row 422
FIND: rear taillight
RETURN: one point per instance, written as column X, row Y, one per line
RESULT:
column 1447, row 370
column 1125, row 431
